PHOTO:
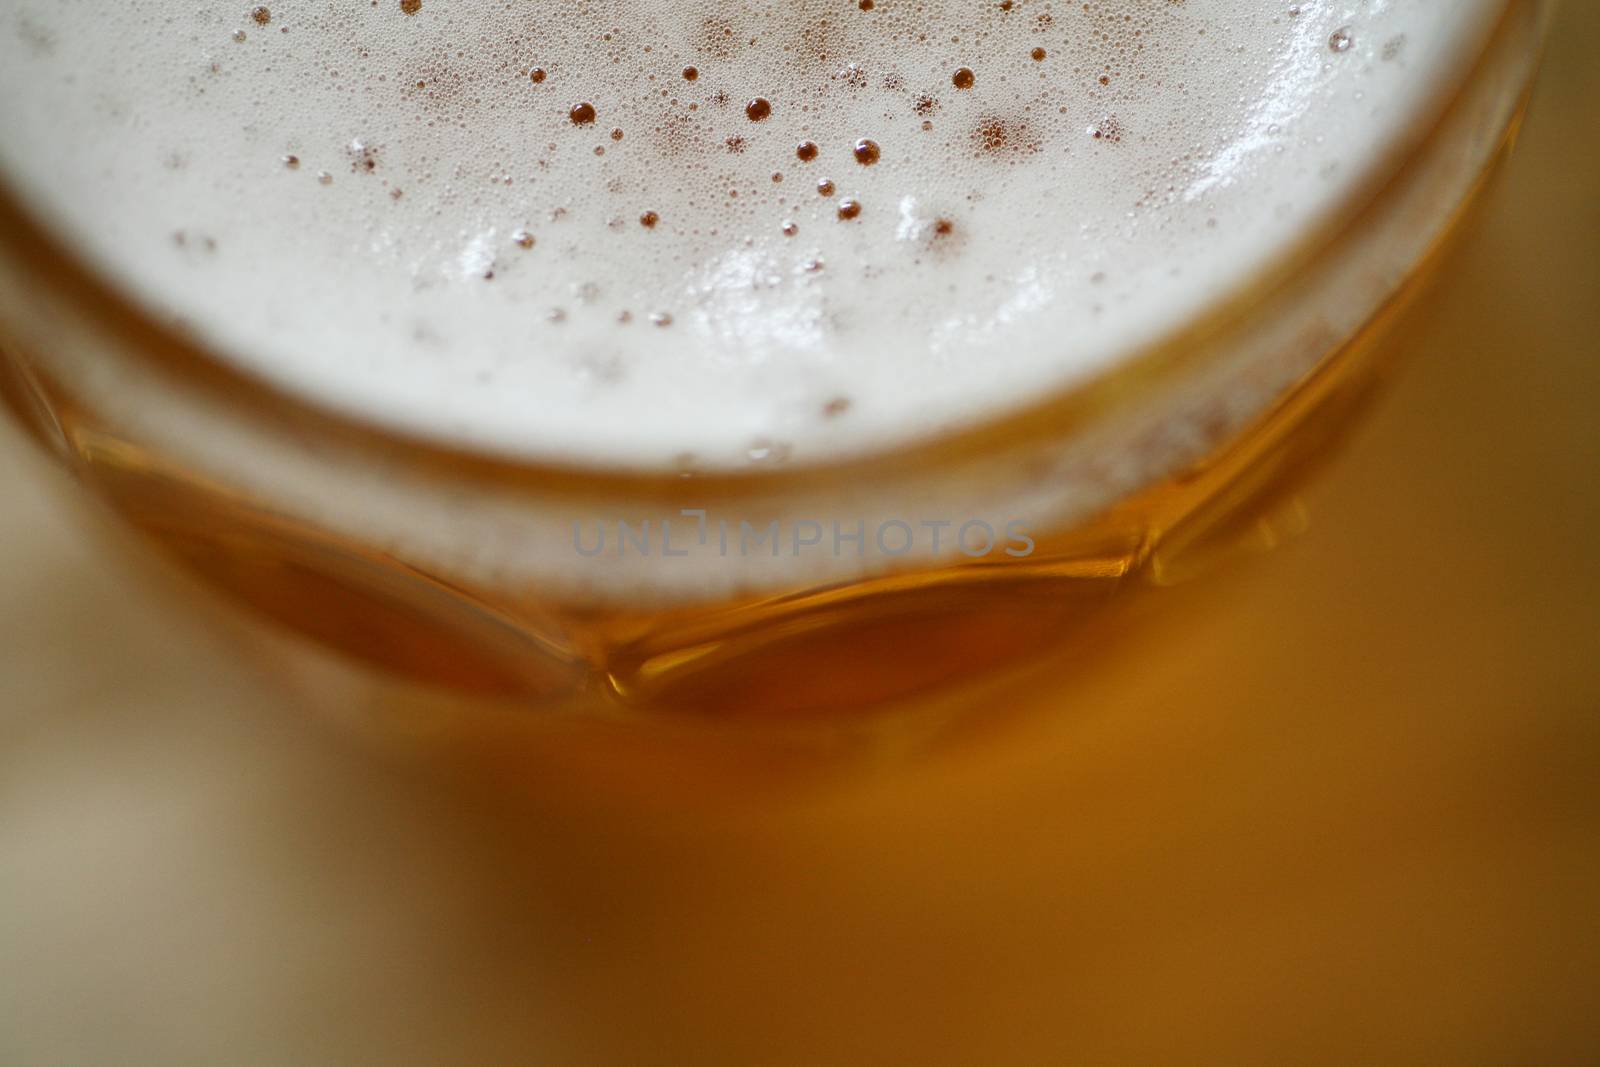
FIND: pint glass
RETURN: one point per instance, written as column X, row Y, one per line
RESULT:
column 784, row 588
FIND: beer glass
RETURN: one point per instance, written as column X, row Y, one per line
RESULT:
column 788, row 589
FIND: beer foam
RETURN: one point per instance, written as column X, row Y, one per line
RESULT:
column 664, row 233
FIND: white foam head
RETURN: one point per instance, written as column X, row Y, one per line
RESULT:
column 397, row 210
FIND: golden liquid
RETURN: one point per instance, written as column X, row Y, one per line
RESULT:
column 828, row 650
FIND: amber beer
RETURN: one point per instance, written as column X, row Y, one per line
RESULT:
column 710, row 356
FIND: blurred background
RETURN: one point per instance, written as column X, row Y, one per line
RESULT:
column 1338, row 803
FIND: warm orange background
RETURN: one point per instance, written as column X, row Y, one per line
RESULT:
column 1339, row 804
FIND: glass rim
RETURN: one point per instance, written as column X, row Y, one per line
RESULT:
column 1057, row 414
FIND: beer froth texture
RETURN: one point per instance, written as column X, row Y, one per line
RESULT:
column 687, row 234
